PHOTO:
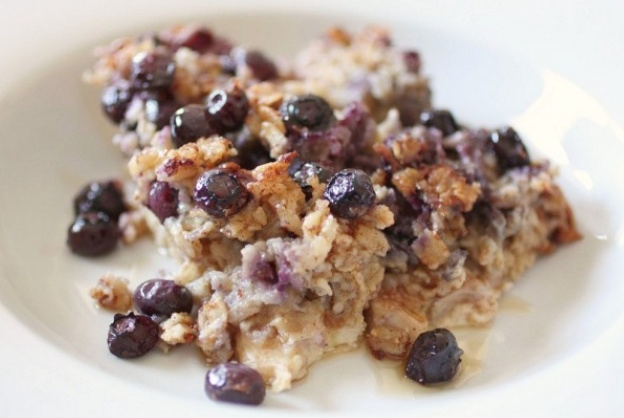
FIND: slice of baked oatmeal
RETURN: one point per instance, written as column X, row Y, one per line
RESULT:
column 313, row 204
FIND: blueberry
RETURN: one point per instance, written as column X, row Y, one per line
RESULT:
column 163, row 200
column 434, row 357
column 199, row 40
column 251, row 152
column 226, row 110
column 260, row 65
column 152, row 70
column 262, row 68
column 442, row 120
column 235, row 383
column 350, row 193
column 302, row 172
column 159, row 107
column 308, row 111
column 92, row 234
column 101, row 196
column 220, row 193
column 115, row 101
column 188, row 124
column 132, row 336
column 162, row 297
column 509, row 149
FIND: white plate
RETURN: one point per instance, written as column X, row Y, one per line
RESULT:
column 551, row 70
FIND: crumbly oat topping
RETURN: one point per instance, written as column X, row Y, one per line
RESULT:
column 180, row 328
column 111, row 292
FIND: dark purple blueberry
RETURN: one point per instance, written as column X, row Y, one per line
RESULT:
column 235, row 383
column 152, row 70
column 307, row 111
column 350, row 193
column 220, row 46
column 163, row 200
column 251, row 152
column 220, row 193
column 302, row 172
column 132, row 336
column 101, row 196
column 159, row 107
column 509, row 149
column 226, row 110
column 115, row 101
column 412, row 61
column 188, row 124
column 162, row 297
column 262, row 68
column 93, row 234
column 199, row 40
column 442, row 120
column 260, row 65
column 434, row 357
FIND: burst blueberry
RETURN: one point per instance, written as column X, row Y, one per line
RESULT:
column 434, row 357
column 163, row 200
column 131, row 336
column 303, row 172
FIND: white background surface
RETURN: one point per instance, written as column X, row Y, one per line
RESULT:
column 553, row 68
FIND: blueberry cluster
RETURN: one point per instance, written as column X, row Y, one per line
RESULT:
column 134, row 335
column 223, row 112
column 97, row 208
column 152, row 80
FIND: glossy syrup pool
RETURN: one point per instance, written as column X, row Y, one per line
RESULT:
column 572, row 296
